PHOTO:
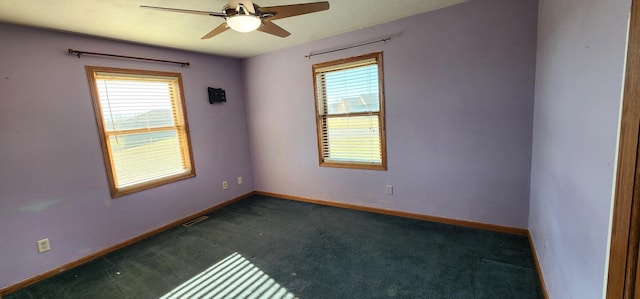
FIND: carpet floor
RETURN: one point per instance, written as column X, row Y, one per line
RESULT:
column 264, row 247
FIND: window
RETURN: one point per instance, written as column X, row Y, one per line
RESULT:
column 350, row 112
column 143, row 127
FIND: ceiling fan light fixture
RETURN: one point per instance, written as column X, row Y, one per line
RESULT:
column 244, row 23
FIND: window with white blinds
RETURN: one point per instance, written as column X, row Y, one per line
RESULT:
column 143, row 127
column 350, row 112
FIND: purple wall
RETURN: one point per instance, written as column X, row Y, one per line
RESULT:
column 580, row 65
column 459, row 86
column 52, row 176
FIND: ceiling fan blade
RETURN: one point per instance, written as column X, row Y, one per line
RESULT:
column 271, row 28
column 197, row 12
column 221, row 28
column 248, row 4
column 285, row 11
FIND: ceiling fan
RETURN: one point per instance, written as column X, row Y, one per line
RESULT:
column 245, row 16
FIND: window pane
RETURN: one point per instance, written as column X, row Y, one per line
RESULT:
column 128, row 104
column 355, row 139
column 146, row 156
column 352, row 90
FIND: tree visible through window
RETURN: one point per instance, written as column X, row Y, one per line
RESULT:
column 350, row 112
column 142, row 126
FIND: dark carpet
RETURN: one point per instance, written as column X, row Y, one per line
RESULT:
column 263, row 247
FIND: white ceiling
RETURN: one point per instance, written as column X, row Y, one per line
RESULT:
column 125, row 20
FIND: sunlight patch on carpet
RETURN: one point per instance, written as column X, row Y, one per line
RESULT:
column 233, row 277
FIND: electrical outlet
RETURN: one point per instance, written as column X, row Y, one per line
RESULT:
column 43, row 245
column 225, row 185
column 239, row 180
column 389, row 189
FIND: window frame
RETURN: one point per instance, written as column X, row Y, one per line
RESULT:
column 377, row 56
column 182, row 128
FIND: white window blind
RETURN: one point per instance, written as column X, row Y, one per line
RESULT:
column 144, row 129
column 350, row 112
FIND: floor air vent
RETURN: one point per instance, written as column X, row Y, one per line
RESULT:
column 194, row 221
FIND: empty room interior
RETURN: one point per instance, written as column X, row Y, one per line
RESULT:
column 495, row 128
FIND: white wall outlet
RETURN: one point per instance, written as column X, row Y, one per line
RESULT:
column 43, row 245
column 389, row 189
column 239, row 180
column 225, row 185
